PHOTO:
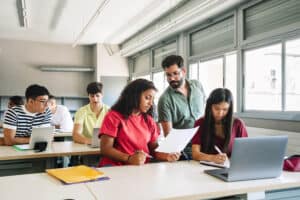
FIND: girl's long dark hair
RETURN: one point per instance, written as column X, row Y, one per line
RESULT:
column 208, row 135
column 130, row 97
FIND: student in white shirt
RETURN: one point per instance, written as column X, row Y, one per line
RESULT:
column 61, row 117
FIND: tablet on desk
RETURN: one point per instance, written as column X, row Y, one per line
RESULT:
column 44, row 134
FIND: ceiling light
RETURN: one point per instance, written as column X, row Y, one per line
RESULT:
column 23, row 13
column 66, row 69
column 90, row 22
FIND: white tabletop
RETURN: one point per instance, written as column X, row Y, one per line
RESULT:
column 56, row 134
column 56, row 149
column 179, row 180
column 40, row 186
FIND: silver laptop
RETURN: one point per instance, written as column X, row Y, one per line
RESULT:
column 254, row 158
column 42, row 134
column 95, row 139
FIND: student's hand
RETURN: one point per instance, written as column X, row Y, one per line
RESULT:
column 138, row 158
column 171, row 157
column 219, row 158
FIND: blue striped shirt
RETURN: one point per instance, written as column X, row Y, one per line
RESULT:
column 21, row 120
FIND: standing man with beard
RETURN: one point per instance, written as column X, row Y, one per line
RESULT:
column 182, row 103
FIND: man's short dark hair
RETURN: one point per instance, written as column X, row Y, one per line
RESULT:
column 16, row 100
column 51, row 96
column 35, row 90
column 94, row 88
column 172, row 60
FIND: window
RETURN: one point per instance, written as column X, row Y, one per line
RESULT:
column 160, row 83
column 193, row 71
column 231, row 76
column 263, row 78
column 211, row 74
column 160, row 53
column 292, row 59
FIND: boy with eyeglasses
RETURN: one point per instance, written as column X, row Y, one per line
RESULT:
column 19, row 120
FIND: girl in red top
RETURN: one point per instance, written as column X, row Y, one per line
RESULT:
column 129, row 133
column 217, row 128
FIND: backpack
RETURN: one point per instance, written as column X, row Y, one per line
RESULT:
column 292, row 163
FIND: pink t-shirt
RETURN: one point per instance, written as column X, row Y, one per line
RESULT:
column 238, row 130
column 134, row 133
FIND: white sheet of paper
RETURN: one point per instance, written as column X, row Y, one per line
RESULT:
column 225, row 165
column 176, row 140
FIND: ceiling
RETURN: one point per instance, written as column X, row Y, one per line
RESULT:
column 77, row 21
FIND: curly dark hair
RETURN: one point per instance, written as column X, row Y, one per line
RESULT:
column 130, row 97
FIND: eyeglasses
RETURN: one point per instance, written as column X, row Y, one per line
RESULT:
column 175, row 74
column 42, row 101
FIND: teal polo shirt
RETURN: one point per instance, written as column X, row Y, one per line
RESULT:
column 182, row 111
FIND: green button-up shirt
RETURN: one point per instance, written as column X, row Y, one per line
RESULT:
column 182, row 111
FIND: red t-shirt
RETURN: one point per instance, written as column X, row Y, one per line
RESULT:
column 134, row 133
column 238, row 130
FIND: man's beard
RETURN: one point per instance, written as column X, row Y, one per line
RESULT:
column 176, row 84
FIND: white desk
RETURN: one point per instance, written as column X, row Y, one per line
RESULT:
column 20, row 162
column 56, row 134
column 57, row 149
column 40, row 186
column 180, row 180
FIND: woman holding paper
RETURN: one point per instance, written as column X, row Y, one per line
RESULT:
column 129, row 133
column 218, row 128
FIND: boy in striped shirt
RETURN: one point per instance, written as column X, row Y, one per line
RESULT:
column 19, row 120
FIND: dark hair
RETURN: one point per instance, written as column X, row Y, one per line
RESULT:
column 94, row 88
column 51, row 96
column 130, row 97
column 36, row 90
column 172, row 60
column 16, row 100
column 208, row 135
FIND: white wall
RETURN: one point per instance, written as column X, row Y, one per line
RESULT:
column 19, row 61
column 111, row 65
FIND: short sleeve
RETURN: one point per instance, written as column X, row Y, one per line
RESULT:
column 110, row 124
column 10, row 119
column 200, row 88
column 164, row 110
column 242, row 131
column 155, row 131
column 79, row 116
column 196, row 138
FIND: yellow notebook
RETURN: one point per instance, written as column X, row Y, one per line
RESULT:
column 76, row 174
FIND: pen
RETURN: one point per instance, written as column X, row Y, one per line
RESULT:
column 146, row 154
column 217, row 149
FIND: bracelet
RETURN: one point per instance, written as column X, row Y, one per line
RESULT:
column 128, row 158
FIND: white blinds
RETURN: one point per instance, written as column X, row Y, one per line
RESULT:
column 218, row 35
column 162, row 52
column 141, row 62
column 270, row 15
